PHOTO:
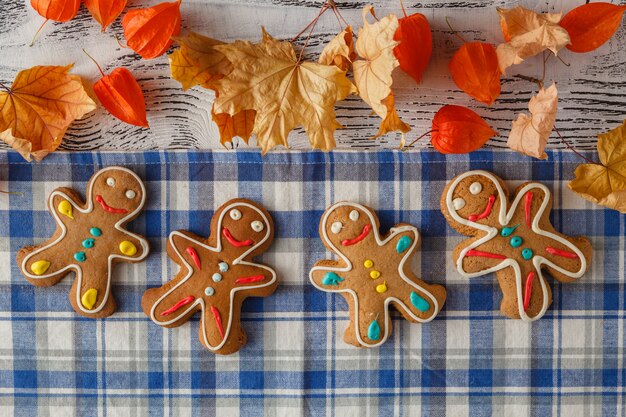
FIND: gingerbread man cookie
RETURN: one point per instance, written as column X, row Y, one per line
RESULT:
column 89, row 239
column 216, row 275
column 373, row 272
column 514, row 240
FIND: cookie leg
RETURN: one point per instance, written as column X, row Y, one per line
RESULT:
column 526, row 296
column 41, row 266
column 90, row 294
column 370, row 325
column 217, row 332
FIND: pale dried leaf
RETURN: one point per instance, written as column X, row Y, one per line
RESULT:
column 340, row 50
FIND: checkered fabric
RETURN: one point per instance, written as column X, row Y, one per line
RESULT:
column 469, row 361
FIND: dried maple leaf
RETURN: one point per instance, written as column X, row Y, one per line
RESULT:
column 529, row 134
column 39, row 107
column 197, row 62
column 605, row 184
column 474, row 69
column 457, row 129
column 149, row 31
column 340, row 50
column 105, row 11
column 285, row 92
column 416, row 45
column 57, row 10
column 528, row 33
column 372, row 74
column 241, row 124
column 591, row 25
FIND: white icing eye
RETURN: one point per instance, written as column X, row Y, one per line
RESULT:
column 111, row 182
column 458, row 203
column 235, row 214
column 257, row 226
column 336, row 227
column 476, row 188
column 130, row 194
column 354, row 215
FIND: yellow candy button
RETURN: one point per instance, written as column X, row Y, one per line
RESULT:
column 89, row 298
column 381, row 288
column 65, row 208
column 40, row 267
column 127, row 248
column 368, row 263
column 374, row 274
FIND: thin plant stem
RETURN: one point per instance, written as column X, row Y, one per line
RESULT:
column 415, row 141
column 32, row 42
column 120, row 43
column 312, row 25
column 531, row 79
column 567, row 64
column 543, row 73
column 402, row 6
column 95, row 62
column 5, row 87
column 454, row 32
column 571, row 148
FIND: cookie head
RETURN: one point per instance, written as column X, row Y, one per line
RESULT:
column 244, row 226
column 347, row 224
column 117, row 191
column 474, row 197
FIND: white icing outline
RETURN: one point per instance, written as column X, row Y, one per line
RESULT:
column 90, row 206
column 217, row 249
column 392, row 233
column 504, row 219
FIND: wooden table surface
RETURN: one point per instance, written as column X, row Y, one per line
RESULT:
column 592, row 89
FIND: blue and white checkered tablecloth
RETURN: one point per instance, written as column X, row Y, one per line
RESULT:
column 469, row 361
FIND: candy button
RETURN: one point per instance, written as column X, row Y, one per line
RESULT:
column 373, row 331
column 88, row 243
column 40, row 267
column 216, row 277
column 419, row 303
column 374, row 274
column 209, row 291
column 527, row 254
column 330, row 278
column 89, row 298
column 516, row 241
column 381, row 288
column 95, row 232
column 80, row 256
column 128, row 248
column 223, row 266
column 65, row 208
column 506, row 231
column 368, row 263
column 403, row 244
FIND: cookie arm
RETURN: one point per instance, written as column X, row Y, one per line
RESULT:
column 131, row 247
column 329, row 276
column 405, row 239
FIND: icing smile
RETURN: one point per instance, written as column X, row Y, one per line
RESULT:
column 486, row 212
column 236, row 243
column 108, row 208
column 363, row 235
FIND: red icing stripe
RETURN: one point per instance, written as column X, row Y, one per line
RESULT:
column 236, row 243
column 218, row 320
column 108, row 208
column 529, row 200
column 559, row 252
column 482, row 254
column 178, row 305
column 364, row 233
column 529, row 289
column 194, row 255
column 247, row 280
column 487, row 212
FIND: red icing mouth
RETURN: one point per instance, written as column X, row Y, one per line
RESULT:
column 108, row 208
column 236, row 243
column 486, row 212
column 364, row 233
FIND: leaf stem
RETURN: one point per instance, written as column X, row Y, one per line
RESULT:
column 531, row 79
column 5, row 87
column 403, row 10
column 312, row 25
column 567, row 64
column 571, row 148
column 454, row 32
column 95, row 62
column 32, row 42
column 412, row 143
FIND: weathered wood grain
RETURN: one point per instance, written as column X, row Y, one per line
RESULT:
column 592, row 89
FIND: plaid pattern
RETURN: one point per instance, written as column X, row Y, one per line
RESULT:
column 468, row 361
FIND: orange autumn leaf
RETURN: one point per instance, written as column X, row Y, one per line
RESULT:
column 57, row 10
column 529, row 134
column 149, row 31
column 121, row 95
column 340, row 50
column 105, row 11
column 474, row 68
column 456, row 129
column 372, row 74
column 39, row 107
column 591, row 25
column 241, row 124
column 416, row 45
